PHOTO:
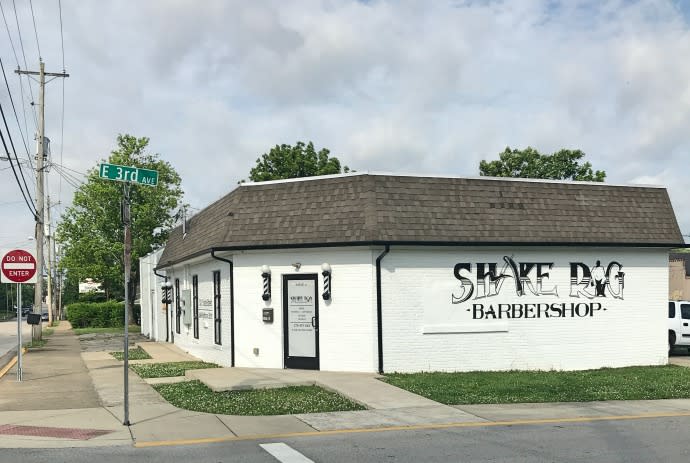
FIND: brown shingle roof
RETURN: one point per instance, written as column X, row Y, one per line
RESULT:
column 368, row 208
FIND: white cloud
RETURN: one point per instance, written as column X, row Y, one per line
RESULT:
column 430, row 87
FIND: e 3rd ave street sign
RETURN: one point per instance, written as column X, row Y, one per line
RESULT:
column 129, row 174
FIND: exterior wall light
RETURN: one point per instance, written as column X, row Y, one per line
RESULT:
column 326, row 272
column 266, row 274
column 297, row 265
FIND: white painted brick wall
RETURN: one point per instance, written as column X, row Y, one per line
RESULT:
column 347, row 323
column 205, row 347
column 152, row 317
column 417, row 287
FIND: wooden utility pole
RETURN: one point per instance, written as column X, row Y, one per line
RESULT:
column 49, row 300
column 40, row 182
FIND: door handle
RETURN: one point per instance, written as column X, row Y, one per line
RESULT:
column 685, row 324
column 314, row 323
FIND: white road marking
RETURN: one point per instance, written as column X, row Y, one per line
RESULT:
column 284, row 453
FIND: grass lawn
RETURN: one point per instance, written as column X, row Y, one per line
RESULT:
column 194, row 395
column 134, row 354
column 115, row 330
column 631, row 383
column 163, row 370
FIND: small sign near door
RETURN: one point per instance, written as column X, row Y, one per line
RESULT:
column 267, row 315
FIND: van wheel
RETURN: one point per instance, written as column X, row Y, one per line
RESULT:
column 671, row 341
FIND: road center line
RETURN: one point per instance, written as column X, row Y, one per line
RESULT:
column 284, row 453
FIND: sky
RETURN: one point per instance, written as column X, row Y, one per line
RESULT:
column 387, row 86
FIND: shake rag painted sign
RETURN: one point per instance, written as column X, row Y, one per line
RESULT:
column 482, row 281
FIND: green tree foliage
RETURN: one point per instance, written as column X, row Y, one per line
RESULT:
column 285, row 161
column 529, row 163
column 91, row 231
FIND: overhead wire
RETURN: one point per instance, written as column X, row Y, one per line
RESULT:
column 62, row 117
column 8, row 129
column 33, row 18
column 66, row 174
column 14, row 109
column 16, row 177
column 25, row 135
column 26, row 66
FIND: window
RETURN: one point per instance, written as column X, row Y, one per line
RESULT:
column 178, row 307
column 216, row 307
column 685, row 311
column 671, row 310
column 195, row 305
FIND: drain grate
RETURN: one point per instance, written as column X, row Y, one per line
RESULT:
column 46, row 431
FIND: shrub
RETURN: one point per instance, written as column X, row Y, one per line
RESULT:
column 92, row 296
column 96, row 314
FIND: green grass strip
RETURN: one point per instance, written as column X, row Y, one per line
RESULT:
column 196, row 396
column 167, row 369
column 134, row 354
column 631, row 383
column 111, row 330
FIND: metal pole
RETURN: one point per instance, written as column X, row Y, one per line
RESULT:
column 19, row 331
column 127, row 264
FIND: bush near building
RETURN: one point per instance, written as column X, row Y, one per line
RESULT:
column 96, row 314
column 110, row 314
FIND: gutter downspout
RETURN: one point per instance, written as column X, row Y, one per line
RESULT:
column 379, row 305
column 232, row 305
column 167, row 330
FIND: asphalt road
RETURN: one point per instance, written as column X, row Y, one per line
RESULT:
column 636, row 440
column 8, row 335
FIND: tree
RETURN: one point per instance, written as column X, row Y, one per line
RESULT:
column 285, row 161
column 91, row 231
column 529, row 163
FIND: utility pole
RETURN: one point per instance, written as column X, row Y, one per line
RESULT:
column 50, row 265
column 40, row 158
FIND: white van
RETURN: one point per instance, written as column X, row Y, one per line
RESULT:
column 678, row 324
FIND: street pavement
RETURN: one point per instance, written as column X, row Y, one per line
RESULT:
column 8, row 335
column 71, row 398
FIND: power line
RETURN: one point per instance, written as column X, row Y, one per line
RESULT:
column 14, row 109
column 71, row 180
column 62, row 117
column 2, row 10
column 16, row 177
column 9, row 134
column 33, row 18
column 26, row 66
column 25, row 138
column 62, row 38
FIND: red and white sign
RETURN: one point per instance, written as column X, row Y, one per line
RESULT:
column 18, row 266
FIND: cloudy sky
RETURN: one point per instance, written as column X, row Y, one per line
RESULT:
column 404, row 86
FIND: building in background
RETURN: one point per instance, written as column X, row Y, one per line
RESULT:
column 679, row 276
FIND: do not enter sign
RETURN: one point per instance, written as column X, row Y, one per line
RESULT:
column 18, row 266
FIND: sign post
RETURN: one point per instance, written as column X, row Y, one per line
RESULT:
column 18, row 266
column 127, row 175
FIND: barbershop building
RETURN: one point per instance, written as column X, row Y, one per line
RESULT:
column 368, row 272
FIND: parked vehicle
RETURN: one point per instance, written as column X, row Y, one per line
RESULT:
column 678, row 324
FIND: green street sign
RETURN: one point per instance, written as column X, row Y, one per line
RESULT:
column 129, row 174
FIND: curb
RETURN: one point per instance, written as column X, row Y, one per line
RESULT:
column 8, row 360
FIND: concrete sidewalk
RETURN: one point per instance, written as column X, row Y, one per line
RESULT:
column 72, row 399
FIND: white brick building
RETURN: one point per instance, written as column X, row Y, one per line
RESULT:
column 425, row 273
